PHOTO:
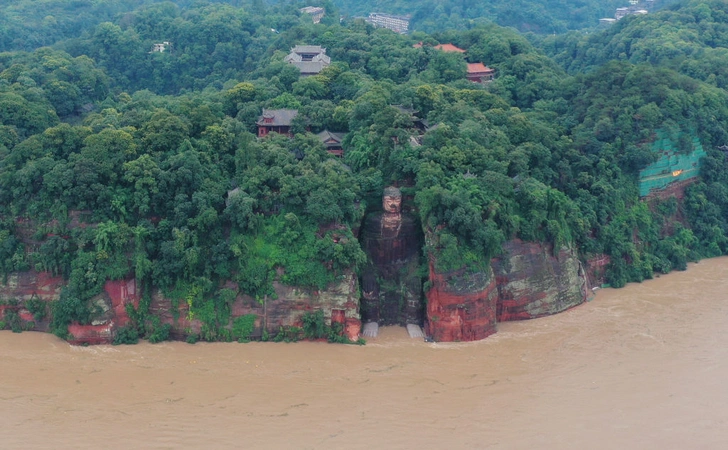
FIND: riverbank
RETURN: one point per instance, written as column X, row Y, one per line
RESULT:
column 638, row 367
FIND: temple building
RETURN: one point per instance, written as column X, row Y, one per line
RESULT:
column 636, row 7
column 276, row 121
column 628, row 11
column 309, row 59
column 332, row 142
column 480, row 73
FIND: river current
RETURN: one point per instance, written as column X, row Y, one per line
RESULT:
column 643, row 367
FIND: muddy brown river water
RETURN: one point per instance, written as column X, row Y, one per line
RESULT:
column 643, row 367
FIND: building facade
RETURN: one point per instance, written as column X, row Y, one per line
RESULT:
column 398, row 24
column 309, row 59
column 276, row 121
column 480, row 73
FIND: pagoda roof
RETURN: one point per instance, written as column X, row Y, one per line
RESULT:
column 281, row 117
column 479, row 68
column 308, row 49
column 449, row 48
column 331, row 136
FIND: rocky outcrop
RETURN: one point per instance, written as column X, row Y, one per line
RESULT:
column 527, row 281
column 31, row 284
column 534, row 281
column 461, row 306
column 339, row 302
column 112, row 314
column 21, row 288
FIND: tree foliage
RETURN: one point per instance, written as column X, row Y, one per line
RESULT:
column 129, row 161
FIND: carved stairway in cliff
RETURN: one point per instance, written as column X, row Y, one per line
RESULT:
column 415, row 331
column 371, row 329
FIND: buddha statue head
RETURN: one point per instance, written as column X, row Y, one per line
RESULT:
column 392, row 200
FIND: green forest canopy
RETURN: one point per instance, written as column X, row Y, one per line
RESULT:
column 157, row 151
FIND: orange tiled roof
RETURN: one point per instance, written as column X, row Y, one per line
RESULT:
column 478, row 67
column 449, row 48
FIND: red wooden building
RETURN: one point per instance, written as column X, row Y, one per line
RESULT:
column 332, row 142
column 480, row 73
column 276, row 121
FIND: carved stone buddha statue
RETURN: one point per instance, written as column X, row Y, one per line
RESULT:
column 391, row 285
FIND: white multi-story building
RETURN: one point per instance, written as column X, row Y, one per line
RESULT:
column 161, row 47
column 398, row 24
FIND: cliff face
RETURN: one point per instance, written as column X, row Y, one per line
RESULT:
column 112, row 315
column 534, row 282
column 23, row 287
column 26, row 285
column 340, row 303
column 461, row 306
column 529, row 280
column 526, row 282
column 596, row 267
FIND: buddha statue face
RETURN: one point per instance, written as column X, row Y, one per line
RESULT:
column 392, row 201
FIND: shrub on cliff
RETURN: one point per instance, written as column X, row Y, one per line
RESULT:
column 126, row 335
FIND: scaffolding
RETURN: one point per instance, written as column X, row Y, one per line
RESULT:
column 672, row 165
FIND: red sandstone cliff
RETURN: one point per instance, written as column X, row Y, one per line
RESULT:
column 461, row 306
column 527, row 281
column 339, row 302
column 24, row 286
column 533, row 281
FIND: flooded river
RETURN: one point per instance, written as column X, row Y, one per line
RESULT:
column 643, row 367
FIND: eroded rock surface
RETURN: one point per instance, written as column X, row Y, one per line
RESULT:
column 527, row 281
column 533, row 281
column 339, row 302
column 461, row 306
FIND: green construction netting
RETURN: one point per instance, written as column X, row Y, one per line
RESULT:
column 671, row 166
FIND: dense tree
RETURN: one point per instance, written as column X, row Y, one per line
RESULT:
column 155, row 153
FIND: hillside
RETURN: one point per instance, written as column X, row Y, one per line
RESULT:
column 117, row 161
column 537, row 16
